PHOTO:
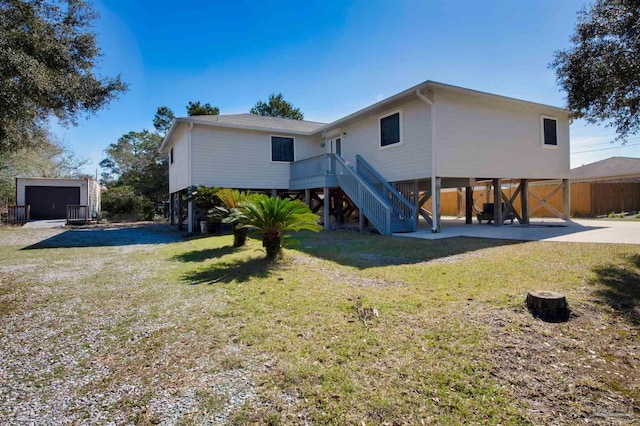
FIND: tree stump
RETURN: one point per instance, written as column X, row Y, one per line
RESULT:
column 548, row 305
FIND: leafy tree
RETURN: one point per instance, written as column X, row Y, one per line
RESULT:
column 273, row 217
column 135, row 161
column 204, row 197
column 163, row 120
column 277, row 107
column 195, row 108
column 123, row 200
column 232, row 199
column 48, row 55
column 600, row 72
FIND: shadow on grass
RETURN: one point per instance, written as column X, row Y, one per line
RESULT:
column 227, row 272
column 621, row 287
column 110, row 236
column 369, row 250
column 201, row 255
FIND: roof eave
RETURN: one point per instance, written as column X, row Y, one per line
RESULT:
column 165, row 142
column 606, row 178
column 464, row 90
column 429, row 84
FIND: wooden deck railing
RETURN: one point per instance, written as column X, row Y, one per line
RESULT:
column 320, row 165
column 404, row 210
column 18, row 215
column 374, row 207
column 77, row 214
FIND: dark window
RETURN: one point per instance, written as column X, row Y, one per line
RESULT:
column 550, row 132
column 390, row 129
column 171, row 156
column 281, row 149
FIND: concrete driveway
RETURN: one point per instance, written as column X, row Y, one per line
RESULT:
column 50, row 223
column 578, row 230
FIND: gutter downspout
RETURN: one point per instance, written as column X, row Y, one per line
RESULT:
column 435, row 227
column 189, row 177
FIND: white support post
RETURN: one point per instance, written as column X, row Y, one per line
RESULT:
column 524, row 200
column 416, row 201
column 566, row 199
column 497, row 202
column 326, row 206
column 435, row 203
column 190, row 217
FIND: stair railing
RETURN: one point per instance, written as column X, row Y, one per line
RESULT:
column 402, row 207
column 368, row 200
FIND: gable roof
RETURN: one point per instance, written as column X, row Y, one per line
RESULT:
column 256, row 122
column 614, row 168
column 398, row 98
column 249, row 122
column 309, row 128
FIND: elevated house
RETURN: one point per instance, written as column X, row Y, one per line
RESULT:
column 385, row 164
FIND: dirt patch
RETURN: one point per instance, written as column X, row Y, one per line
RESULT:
column 576, row 372
column 353, row 278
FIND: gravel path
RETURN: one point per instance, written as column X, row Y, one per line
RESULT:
column 87, row 338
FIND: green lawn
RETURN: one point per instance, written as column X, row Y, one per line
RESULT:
column 193, row 331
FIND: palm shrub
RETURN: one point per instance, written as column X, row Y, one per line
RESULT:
column 232, row 199
column 274, row 216
column 205, row 198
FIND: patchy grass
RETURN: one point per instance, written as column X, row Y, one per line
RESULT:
column 195, row 331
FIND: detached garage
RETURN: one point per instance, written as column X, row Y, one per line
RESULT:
column 49, row 198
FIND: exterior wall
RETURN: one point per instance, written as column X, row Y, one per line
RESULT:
column 479, row 137
column 242, row 158
column 409, row 160
column 179, row 170
column 94, row 198
column 22, row 183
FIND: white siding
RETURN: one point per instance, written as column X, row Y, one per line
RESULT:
column 94, row 201
column 477, row 137
column 409, row 160
column 179, row 170
column 242, row 158
column 22, row 183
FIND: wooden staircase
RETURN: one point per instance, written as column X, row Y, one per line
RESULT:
column 385, row 208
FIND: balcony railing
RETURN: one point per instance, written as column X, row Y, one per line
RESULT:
column 314, row 172
column 18, row 215
column 77, row 214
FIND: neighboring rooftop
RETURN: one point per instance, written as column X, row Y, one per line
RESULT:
column 614, row 168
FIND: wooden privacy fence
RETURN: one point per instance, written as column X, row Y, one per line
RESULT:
column 18, row 215
column 77, row 214
column 587, row 199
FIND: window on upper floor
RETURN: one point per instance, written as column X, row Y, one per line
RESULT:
column 171, row 156
column 281, row 149
column 391, row 129
column 549, row 132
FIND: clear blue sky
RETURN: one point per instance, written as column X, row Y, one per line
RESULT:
column 327, row 58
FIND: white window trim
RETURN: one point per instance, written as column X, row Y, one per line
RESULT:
column 400, row 123
column 271, row 148
column 542, row 144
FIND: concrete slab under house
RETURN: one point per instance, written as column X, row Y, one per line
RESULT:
column 387, row 165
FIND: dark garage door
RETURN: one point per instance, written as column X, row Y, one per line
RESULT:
column 50, row 202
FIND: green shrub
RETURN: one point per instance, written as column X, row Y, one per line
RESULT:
column 122, row 201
